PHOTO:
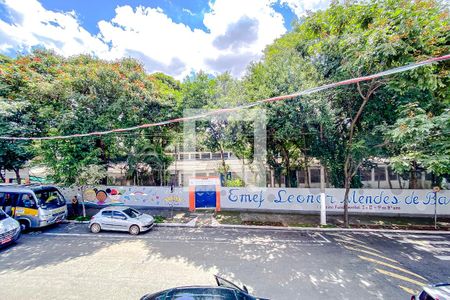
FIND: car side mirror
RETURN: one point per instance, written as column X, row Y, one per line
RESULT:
column 245, row 289
column 123, row 218
column 413, row 297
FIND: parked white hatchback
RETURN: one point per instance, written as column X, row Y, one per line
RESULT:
column 121, row 218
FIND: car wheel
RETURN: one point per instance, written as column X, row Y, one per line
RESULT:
column 134, row 230
column 95, row 228
column 24, row 226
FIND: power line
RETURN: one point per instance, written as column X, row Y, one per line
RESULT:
column 246, row 106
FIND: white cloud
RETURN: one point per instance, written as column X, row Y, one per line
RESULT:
column 34, row 25
column 301, row 7
column 237, row 32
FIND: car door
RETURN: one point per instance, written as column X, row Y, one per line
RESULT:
column 106, row 221
column 120, row 221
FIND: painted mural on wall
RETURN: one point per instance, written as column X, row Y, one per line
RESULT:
column 130, row 195
column 360, row 200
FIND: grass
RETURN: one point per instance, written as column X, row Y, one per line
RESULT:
column 159, row 219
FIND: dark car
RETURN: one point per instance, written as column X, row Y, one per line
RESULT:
column 225, row 290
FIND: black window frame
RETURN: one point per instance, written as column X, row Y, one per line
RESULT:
column 118, row 214
column 105, row 215
column 20, row 203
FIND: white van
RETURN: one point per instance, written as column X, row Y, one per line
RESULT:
column 33, row 206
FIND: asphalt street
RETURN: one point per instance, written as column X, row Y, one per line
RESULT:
column 68, row 262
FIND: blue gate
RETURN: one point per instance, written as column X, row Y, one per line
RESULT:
column 205, row 196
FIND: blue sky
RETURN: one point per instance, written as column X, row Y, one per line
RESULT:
column 171, row 36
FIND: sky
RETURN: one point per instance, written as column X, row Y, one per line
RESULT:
column 176, row 37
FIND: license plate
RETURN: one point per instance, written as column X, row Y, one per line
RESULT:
column 6, row 241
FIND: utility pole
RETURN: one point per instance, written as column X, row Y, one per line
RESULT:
column 436, row 189
column 323, row 208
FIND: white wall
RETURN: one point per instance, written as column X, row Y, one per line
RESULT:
column 371, row 201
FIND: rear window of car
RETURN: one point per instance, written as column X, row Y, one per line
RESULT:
column 203, row 294
column 106, row 213
column 424, row 296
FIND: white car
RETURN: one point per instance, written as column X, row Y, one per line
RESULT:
column 121, row 218
column 9, row 229
column 438, row 291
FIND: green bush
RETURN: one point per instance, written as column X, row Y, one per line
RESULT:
column 236, row 182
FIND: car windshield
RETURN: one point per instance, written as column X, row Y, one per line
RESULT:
column 49, row 198
column 3, row 215
column 132, row 213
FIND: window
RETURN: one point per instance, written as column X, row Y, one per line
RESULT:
column 424, row 296
column 216, row 156
column 380, row 174
column 301, row 176
column 107, row 213
column 205, row 156
column 27, row 200
column 315, row 175
column 365, row 174
column 132, row 213
column 203, row 294
column 118, row 215
column 8, row 199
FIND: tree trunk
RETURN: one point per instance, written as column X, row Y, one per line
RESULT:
column 1, row 176
column 413, row 176
column 389, row 178
column 100, row 144
column 347, row 191
column 349, row 168
column 287, row 166
column 307, row 181
column 17, row 171
column 82, row 201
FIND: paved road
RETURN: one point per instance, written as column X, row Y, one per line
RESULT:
column 67, row 262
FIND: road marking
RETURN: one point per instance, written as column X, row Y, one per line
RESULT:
column 432, row 249
column 401, row 277
column 324, row 238
column 391, row 266
column 408, row 290
column 443, row 257
column 356, row 244
column 427, row 243
column 371, row 253
column 351, row 238
column 414, row 236
column 440, row 242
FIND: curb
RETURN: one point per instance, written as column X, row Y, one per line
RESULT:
column 74, row 222
column 174, row 225
column 279, row 228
